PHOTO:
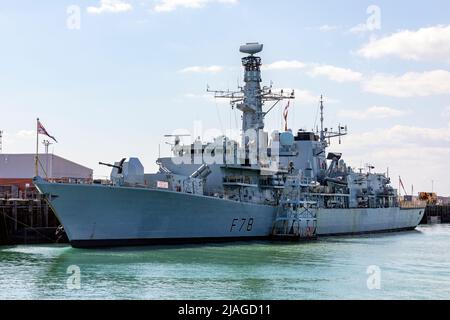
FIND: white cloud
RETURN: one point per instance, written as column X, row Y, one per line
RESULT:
column 14, row 141
column 406, row 136
column 171, row 5
column 324, row 28
column 446, row 112
column 327, row 28
column 360, row 28
column 374, row 112
column 331, row 72
column 25, row 134
column 417, row 154
column 303, row 96
column 283, row 65
column 412, row 84
column 278, row 65
column 111, row 6
column 199, row 69
column 335, row 73
column 209, row 98
column 431, row 44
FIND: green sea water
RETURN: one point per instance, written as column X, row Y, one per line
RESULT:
column 408, row 265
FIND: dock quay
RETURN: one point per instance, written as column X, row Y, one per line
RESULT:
column 25, row 216
column 28, row 221
column 436, row 214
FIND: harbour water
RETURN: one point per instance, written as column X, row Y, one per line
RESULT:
column 408, row 265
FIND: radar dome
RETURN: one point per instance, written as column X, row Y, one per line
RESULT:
column 286, row 139
column 251, row 48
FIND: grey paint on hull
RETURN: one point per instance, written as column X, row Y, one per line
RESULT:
column 92, row 213
column 98, row 212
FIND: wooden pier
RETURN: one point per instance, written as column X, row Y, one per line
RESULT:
column 436, row 214
column 27, row 221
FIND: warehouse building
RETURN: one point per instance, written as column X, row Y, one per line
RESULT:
column 18, row 170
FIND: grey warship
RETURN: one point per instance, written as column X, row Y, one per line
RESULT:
column 283, row 185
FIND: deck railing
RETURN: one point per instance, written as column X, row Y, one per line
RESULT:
column 415, row 204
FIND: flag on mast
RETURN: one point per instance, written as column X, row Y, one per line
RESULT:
column 41, row 130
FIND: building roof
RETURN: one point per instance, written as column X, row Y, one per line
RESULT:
column 22, row 166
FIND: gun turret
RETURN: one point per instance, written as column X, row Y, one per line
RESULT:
column 119, row 167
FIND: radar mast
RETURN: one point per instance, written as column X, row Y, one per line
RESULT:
column 251, row 98
column 325, row 133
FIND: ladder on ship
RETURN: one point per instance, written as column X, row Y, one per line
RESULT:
column 295, row 220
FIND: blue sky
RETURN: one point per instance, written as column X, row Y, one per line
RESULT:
column 136, row 70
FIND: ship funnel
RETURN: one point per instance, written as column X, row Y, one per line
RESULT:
column 251, row 48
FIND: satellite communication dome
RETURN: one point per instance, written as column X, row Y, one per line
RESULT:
column 251, row 48
column 286, row 139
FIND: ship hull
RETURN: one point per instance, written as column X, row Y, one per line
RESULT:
column 332, row 222
column 97, row 216
column 108, row 216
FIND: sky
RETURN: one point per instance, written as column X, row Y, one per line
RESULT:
column 110, row 78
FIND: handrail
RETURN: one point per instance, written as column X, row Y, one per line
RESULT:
column 416, row 204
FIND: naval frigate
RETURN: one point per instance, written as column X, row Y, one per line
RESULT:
column 279, row 186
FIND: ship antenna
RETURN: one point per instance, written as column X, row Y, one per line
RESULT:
column 251, row 98
column 322, row 133
column 328, row 133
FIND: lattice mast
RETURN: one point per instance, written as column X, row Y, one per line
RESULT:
column 251, row 98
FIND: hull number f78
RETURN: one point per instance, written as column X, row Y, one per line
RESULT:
column 242, row 225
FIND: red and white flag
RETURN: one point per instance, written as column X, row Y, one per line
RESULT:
column 41, row 130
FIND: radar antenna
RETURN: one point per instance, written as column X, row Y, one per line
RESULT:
column 251, row 98
column 370, row 167
column 46, row 144
column 325, row 133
